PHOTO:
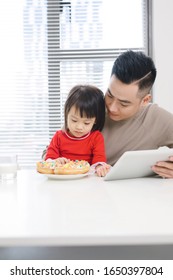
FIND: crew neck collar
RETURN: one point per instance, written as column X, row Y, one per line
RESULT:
column 76, row 138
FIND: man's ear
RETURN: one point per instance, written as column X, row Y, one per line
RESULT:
column 146, row 99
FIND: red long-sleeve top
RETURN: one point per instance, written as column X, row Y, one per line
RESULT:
column 89, row 147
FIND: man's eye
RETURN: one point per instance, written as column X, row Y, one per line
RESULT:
column 109, row 95
column 124, row 105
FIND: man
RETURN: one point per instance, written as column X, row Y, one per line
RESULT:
column 132, row 122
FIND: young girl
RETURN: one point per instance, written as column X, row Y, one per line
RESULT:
column 81, row 138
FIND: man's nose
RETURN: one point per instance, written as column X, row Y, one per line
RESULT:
column 113, row 107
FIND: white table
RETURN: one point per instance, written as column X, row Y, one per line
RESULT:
column 85, row 213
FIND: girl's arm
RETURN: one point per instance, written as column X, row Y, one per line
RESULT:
column 99, row 156
column 53, row 148
column 98, row 150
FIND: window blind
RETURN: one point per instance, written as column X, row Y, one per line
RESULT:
column 49, row 46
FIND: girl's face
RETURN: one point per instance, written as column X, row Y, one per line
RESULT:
column 78, row 126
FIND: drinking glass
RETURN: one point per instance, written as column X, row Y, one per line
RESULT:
column 8, row 167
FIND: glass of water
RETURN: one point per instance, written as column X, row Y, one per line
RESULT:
column 8, row 167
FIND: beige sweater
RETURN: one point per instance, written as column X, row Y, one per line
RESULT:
column 150, row 128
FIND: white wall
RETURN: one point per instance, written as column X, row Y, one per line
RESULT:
column 163, row 52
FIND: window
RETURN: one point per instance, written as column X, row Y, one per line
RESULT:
column 49, row 46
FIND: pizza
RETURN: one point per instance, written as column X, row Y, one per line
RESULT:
column 46, row 167
column 69, row 168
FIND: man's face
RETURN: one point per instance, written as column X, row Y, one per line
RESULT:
column 122, row 101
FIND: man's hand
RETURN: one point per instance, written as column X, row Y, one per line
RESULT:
column 164, row 168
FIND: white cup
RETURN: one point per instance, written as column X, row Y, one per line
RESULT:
column 8, row 167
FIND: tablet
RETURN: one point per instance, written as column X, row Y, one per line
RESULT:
column 135, row 164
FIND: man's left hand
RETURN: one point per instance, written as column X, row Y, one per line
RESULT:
column 164, row 168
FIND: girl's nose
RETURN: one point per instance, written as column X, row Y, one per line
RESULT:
column 79, row 126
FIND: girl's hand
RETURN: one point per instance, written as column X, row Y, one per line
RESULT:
column 62, row 160
column 102, row 170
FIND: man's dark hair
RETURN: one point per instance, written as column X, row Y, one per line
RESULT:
column 137, row 67
column 89, row 100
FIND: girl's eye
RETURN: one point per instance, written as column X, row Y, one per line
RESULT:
column 87, row 123
column 74, row 121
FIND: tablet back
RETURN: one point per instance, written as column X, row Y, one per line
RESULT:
column 135, row 164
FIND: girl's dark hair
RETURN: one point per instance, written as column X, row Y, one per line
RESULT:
column 89, row 100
